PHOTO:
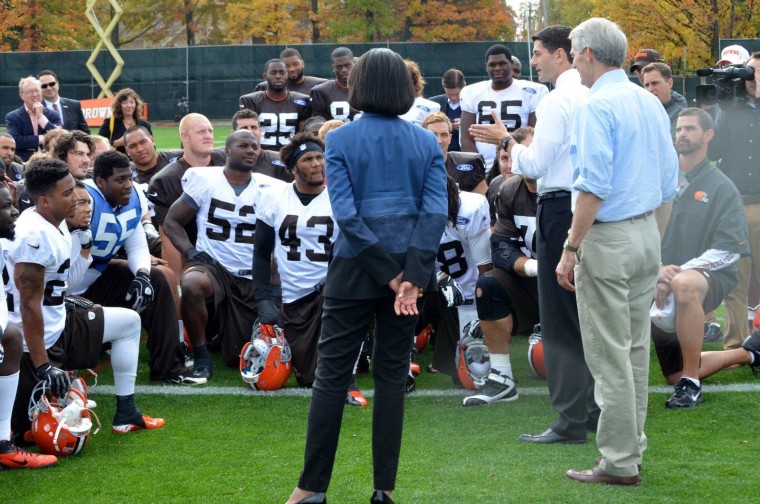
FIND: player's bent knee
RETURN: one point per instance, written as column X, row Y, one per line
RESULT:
column 12, row 340
column 494, row 303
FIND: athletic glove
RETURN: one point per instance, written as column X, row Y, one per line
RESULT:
column 269, row 313
column 150, row 230
column 450, row 290
column 140, row 292
column 72, row 302
column 84, row 236
column 56, row 379
column 195, row 255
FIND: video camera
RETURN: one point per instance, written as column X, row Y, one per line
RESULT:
column 727, row 83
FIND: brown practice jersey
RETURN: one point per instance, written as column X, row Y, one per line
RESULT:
column 279, row 120
column 466, row 168
column 330, row 101
column 516, row 215
column 269, row 164
column 303, row 87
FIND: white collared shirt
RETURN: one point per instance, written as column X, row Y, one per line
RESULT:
column 548, row 157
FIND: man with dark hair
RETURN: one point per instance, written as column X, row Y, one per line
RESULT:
column 499, row 99
column 281, row 112
column 466, row 168
column 571, row 386
column 452, row 82
column 14, row 170
column 297, row 81
column 612, row 249
column 134, row 283
column 330, row 99
column 11, row 351
column 75, row 149
column 516, row 67
column 657, row 78
column 29, row 123
column 704, row 238
column 737, row 143
column 70, row 110
column 146, row 160
column 223, row 202
column 48, row 257
column 267, row 161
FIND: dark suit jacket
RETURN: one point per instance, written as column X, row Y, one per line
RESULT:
column 73, row 118
column 19, row 126
column 443, row 101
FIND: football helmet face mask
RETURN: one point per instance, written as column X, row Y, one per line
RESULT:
column 473, row 362
column 536, row 353
column 265, row 360
column 61, row 426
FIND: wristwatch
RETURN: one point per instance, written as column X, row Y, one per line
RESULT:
column 569, row 247
column 505, row 142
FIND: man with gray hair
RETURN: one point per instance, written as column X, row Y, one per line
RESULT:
column 624, row 168
column 29, row 123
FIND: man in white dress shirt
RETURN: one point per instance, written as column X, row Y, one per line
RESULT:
column 571, row 386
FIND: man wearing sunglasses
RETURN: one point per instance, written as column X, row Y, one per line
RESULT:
column 70, row 110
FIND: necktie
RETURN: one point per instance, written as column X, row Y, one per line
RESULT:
column 55, row 107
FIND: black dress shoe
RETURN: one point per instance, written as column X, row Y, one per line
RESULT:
column 380, row 497
column 549, row 437
column 315, row 498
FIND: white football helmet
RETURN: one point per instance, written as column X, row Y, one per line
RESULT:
column 473, row 362
column 265, row 360
column 61, row 426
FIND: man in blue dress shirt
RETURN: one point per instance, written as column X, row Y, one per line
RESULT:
column 624, row 168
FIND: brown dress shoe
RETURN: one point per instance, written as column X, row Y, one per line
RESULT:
column 597, row 475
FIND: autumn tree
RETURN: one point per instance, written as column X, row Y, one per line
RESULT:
column 450, row 20
column 34, row 25
column 269, row 21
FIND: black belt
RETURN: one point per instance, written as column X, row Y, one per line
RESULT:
column 631, row 219
column 553, row 194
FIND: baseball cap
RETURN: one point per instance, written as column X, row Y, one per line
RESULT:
column 644, row 57
column 733, row 55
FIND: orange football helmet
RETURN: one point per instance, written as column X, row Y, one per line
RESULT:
column 472, row 360
column 421, row 340
column 536, row 352
column 265, row 360
column 61, row 426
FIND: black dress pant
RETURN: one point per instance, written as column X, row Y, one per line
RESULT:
column 344, row 326
column 571, row 386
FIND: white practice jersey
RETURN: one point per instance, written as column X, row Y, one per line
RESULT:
column 226, row 222
column 421, row 108
column 465, row 247
column 513, row 104
column 304, row 236
column 39, row 242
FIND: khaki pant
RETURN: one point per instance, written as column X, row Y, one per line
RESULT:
column 736, row 301
column 615, row 278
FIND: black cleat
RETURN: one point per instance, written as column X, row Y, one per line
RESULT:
column 687, row 395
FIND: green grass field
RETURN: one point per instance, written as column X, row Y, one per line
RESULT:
column 227, row 443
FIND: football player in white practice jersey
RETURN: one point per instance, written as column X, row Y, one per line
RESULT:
column 222, row 200
column 58, row 338
column 296, row 227
column 515, row 101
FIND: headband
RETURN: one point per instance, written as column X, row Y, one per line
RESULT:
column 303, row 149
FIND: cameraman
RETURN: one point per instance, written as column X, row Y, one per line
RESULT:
column 738, row 145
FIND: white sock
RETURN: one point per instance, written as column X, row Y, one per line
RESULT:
column 752, row 357
column 502, row 364
column 8, row 386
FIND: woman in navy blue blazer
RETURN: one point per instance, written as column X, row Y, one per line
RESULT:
column 388, row 195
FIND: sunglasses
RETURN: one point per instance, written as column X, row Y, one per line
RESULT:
column 49, row 84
